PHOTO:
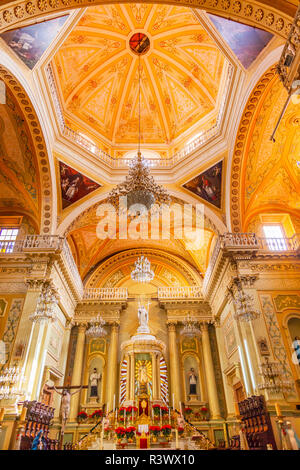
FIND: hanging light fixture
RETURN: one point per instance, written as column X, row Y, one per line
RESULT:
column 191, row 327
column 274, row 380
column 142, row 271
column 45, row 310
column 244, row 303
column 139, row 186
column 96, row 329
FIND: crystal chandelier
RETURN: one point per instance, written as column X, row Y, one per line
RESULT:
column 8, row 378
column 190, row 328
column 273, row 378
column 244, row 308
column 96, row 329
column 45, row 310
column 142, row 271
column 139, row 186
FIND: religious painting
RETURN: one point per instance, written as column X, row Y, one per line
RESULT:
column 189, row 344
column 245, row 41
column 74, row 185
column 263, row 347
column 3, row 305
column 208, row 185
column 30, row 42
column 97, row 345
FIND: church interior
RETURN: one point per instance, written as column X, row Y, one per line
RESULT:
column 149, row 225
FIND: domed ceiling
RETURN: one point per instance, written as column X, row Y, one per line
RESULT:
column 96, row 71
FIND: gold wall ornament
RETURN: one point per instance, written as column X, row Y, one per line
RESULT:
column 277, row 21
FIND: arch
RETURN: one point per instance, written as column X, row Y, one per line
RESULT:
column 259, row 14
column 35, row 131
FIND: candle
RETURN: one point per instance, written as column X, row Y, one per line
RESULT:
column 2, row 411
column 169, row 415
column 132, row 413
column 114, row 403
column 278, row 410
column 107, row 410
column 180, row 408
column 173, row 401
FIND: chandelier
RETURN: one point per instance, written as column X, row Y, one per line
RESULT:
column 273, row 378
column 244, row 308
column 8, row 378
column 190, row 328
column 45, row 310
column 142, row 271
column 96, row 329
column 139, row 186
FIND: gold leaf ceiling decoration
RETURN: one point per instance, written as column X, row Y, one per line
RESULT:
column 97, row 76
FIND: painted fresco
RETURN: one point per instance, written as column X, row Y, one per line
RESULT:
column 208, row 185
column 30, row 42
column 74, row 185
column 245, row 41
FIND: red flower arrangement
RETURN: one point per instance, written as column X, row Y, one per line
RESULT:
column 164, row 410
column 120, row 432
column 130, row 409
column 82, row 415
column 122, row 411
column 204, row 409
column 180, row 431
column 156, row 409
column 188, row 410
column 155, row 430
column 130, row 432
column 166, row 429
column 97, row 414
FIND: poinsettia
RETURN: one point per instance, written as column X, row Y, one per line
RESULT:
column 97, row 414
column 164, row 410
column 122, row 411
column 130, row 432
column 155, row 430
column 120, row 431
column 204, row 409
column 156, row 409
column 82, row 415
column 180, row 430
column 188, row 410
column 166, row 429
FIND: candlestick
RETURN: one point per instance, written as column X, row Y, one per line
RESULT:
column 173, row 401
column 180, row 408
column 169, row 415
column 114, row 403
column 176, row 440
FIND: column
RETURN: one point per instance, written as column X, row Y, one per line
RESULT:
column 62, row 367
column 112, row 365
column 158, row 377
column 154, row 376
column 77, row 371
column 132, row 376
column 227, row 389
column 210, row 375
column 174, row 365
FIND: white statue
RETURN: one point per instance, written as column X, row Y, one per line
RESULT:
column 94, row 378
column 143, row 320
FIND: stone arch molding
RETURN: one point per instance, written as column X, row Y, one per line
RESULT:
column 40, row 147
column 114, row 262
column 254, row 13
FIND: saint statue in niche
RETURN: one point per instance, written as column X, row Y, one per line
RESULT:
column 143, row 320
column 94, row 378
column 192, row 381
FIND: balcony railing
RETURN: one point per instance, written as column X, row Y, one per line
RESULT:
column 248, row 242
column 105, row 293
column 186, row 292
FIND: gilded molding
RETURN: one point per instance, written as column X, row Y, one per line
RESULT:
column 246, row 11
column 40, row 147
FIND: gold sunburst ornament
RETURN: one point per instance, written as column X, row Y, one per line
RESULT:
column 139, row 186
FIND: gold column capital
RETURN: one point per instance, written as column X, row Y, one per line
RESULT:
column 171, row 325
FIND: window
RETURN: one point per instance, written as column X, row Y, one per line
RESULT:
column 7, row 239
column 275, row 237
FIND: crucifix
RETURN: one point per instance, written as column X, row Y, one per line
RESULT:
column 66, row 395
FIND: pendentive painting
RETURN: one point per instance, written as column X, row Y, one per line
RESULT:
column 74, row 185
column 30, row 42
column 208, row 185
column 245, row 41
